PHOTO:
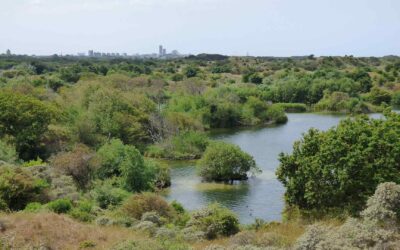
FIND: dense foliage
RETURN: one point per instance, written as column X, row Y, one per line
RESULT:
column 74, row 134
column 25, row 119
column 341, row 168
column 225, row 162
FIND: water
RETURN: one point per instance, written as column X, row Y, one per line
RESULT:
column 260, row 196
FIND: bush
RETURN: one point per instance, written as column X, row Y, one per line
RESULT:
column 378, row 96
column 7, row 152
column 139, row 204
column 384, row 205
column 312, row 237
column 336, row 102
column 33, row 207
column 83, row 211
column 225, row 162
column 340, row 168
column 184, row 146
column 25, row 118
column 76, row 163
column 106, row 194
column 276, row 114
column 190, row 72
column 126, row 162
column 18, row 187
column 293, row 107
column 163, row 174
column 396, row 99
column 178, row 207
column 60, row 206
column 32, row 163
column 215, row 221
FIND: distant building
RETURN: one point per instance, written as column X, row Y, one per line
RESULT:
column 160, row 51
column 91, row 53
column 164, row 52
column 8, row 52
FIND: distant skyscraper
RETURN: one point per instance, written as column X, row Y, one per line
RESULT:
column 160, row 50
column 8, row 52
column 164, row 52
column 91, row 53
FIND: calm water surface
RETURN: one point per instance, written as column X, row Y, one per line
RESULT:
column 260, row 196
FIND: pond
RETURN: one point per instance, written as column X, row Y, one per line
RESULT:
column 260, row 196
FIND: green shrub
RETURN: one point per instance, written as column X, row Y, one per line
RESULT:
column 163, row 174
column 139, row 204
column 106, row 194
column 18, row 187
column 276, row 114
column 32, row 163
column 378, row 96
column 184, row 146
column 293, row 107
column 126, row 162
column 60, row 206
column 83, row 211
column 225, row 162
column 215, row 221
column 33, row 207
column 396, row 99
column 190, row 71
column 178, row 207
column 7, row 152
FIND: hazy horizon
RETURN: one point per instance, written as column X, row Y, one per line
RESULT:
column 230, row 27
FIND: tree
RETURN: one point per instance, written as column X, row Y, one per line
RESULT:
column 25, row 119
column 225, row 162
column 340, row 168
column 126, row 163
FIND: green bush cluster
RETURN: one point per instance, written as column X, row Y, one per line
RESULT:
column 215, row 221
column 225, row 162
column 184, row 146
column 340, row 168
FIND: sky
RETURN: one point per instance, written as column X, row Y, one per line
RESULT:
column 230, row 27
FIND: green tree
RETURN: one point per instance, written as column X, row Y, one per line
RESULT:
column 340, row 168
column 126, row 162
column 25, row 119
column 225, row 162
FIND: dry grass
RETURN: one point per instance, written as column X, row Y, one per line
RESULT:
column 28, row 231
column 287, row 233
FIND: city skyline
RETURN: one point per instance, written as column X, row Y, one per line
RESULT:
column 229, row 27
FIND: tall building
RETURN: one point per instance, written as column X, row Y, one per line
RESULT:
column 164, row 52
column 8, row 53
column 91, row 53
column 160, row 50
